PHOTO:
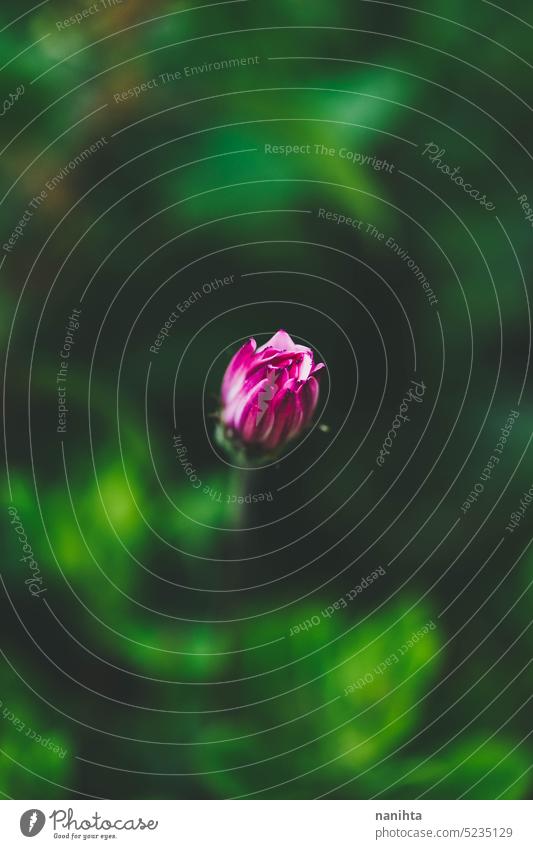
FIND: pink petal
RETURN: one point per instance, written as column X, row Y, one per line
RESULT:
column 259, row 416
column 283, row 412
column 237, row 369
column 305, row 366
column 309, row 398
column 238, row 413
column 281, row 341
column 297, row 418
column 271, row 357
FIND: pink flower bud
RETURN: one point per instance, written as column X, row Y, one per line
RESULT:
column 269, row 394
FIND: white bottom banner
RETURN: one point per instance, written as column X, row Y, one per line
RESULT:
column 268, row 824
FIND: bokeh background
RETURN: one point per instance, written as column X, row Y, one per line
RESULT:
column 161, row 656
